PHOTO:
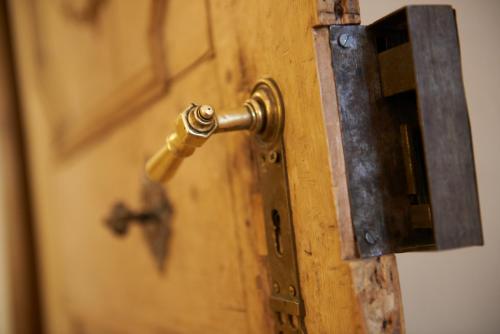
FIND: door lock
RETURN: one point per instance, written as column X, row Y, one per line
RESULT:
column 406, row 138
column 263, row 115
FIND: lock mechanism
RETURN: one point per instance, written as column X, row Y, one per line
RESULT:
column 263, row 115
column 406, row 136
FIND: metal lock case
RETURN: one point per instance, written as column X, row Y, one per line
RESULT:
column 405, row 133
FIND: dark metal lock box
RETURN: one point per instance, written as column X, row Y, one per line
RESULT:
column 405, row 133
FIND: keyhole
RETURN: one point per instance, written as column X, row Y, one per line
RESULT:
column 277, row 231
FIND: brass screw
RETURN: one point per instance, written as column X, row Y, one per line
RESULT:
column 276, row 287
column 292, row 291
column 273, row 157
column 202, row 118
column 206, row 111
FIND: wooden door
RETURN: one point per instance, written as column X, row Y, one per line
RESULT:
column 102, row 82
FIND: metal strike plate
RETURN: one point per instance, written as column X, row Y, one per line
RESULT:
column 405, row 133
column 286, row 301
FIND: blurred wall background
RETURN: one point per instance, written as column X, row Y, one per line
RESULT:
column 459, row 291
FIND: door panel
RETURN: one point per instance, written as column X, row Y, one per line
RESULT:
column 100, row 93
column 100, row 60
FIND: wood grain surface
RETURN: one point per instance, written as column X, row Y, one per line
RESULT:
column 216, row 278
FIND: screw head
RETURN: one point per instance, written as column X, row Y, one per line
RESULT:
column 206, row 111
column 273, row 157
column 292, row 291
column 344, row 40
column 276, row 287
column 369, row 238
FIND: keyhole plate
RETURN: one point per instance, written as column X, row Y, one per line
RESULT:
column 154, row 218
column 286, row 301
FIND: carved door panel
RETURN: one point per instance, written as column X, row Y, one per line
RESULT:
column 102, row 82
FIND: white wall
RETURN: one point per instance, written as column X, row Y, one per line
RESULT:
column 459, row 291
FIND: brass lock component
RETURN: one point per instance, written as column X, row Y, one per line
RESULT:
column 261, row 114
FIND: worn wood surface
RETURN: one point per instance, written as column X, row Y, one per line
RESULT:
column 336, row 160
column 337, row 12
column 215, row 279
column 15, row 216
column 376, row 285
